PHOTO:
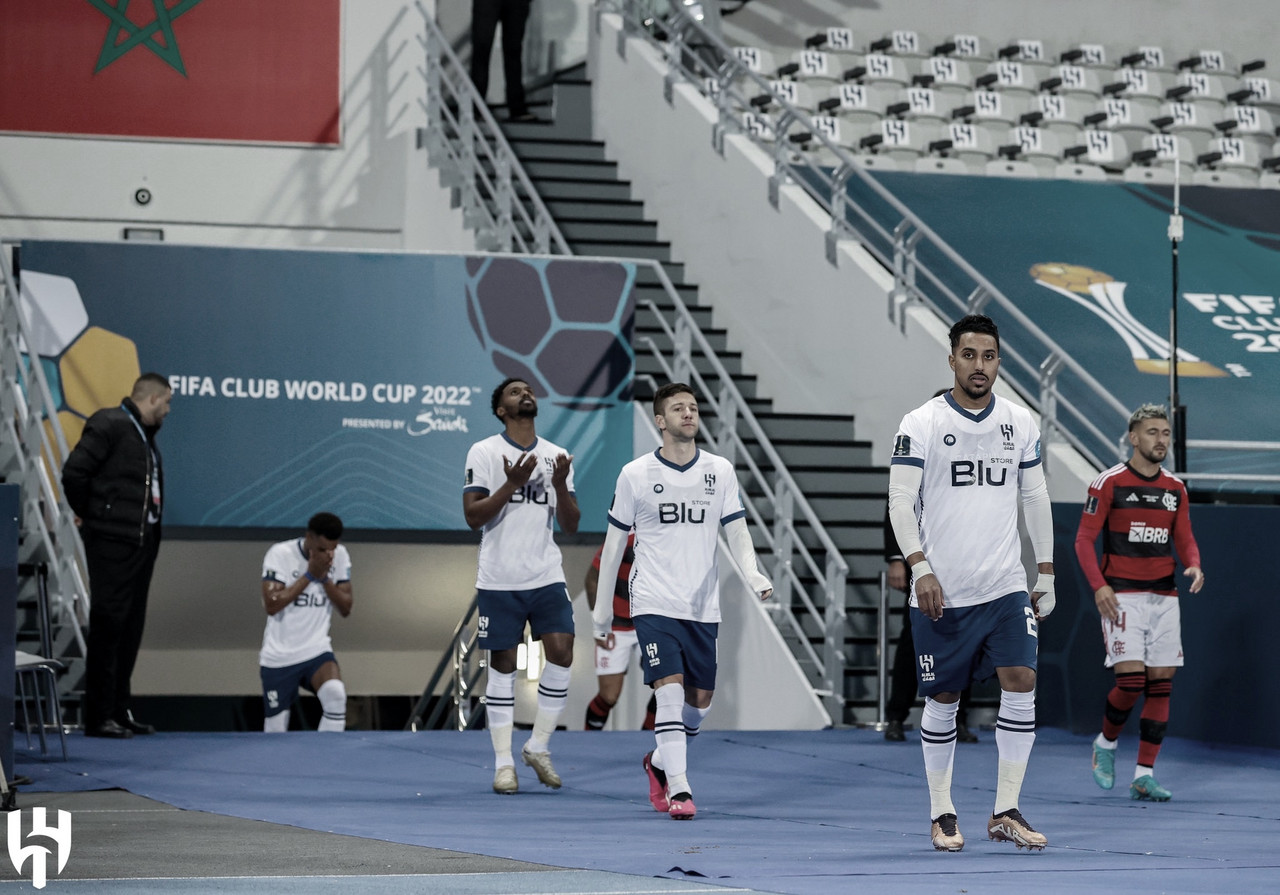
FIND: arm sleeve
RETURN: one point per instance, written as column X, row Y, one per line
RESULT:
column 891, row 549
column 615, row 544
column 1183, row 539
column 904, row 488
column 744, row 554
column 1096, row 507
column 1038, row 511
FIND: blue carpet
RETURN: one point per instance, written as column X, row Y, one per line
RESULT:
column 788, row 812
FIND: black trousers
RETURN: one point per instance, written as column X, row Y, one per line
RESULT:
column 485, row 18
column 903, row 682
column 119, row 578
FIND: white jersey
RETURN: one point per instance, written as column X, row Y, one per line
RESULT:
column 517, row 547
column 677, row 512
column 299, row 631
column 967, row 508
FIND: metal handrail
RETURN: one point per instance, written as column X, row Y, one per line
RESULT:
column 464, row 662
column 721, row 80
column 461, row 135
column 37, row 449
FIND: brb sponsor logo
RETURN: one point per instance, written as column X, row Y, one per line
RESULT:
column 926, row 667
column 38, row 855
column 1142, row 533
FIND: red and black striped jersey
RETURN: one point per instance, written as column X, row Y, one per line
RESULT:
column 1142, row 519
column 621, row 586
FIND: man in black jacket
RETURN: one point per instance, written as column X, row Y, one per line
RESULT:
column 114, row 482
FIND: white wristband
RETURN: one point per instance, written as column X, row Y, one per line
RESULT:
column 1044, row 584
column 920, row 569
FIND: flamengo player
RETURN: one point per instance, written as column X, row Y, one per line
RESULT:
column 960, row 463
column 516, row 484
column 677, row 498
column 303, row 580
column 1143, row 512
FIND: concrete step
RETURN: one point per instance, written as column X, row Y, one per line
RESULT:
column 596, row 209
column 538, row 167
column 717, row 338
column 838, row 454
column 603, row 230
column 557, row 148
column 847, row 536
column 573, row 188
column 820, row 427
column 862, row 479
column 731, row 360
column 674, row 270
column 621, row 248
column 647, row 320
column 652, row 291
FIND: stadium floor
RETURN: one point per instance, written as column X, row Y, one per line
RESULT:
column 788, row 812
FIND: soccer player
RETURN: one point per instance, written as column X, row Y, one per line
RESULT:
column 303, row 579
column 960, row 463
column 1144, row 513
column 516, row 485
column 612, row 662
column 676, row 498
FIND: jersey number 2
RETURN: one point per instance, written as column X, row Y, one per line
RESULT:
column 1031, row 622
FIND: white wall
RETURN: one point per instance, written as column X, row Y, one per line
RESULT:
column 764, row 270
column 374, row 191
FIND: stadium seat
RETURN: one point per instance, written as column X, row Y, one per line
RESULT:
column 971, row 47
column 1032, row 54
column 1206, row 92
column 971, row 144
column 757, row 59
column 1230, row 161
column 836, row 41
column 1007, row 76
column 819, row 69
column 1038, row 147
column 1145, row 90
column 858, row 103
column 902, row 141
column 924, row 105
column 1249, row 123
column 1099, row 153
column 1157, row 158
column 1088, row 55
column 1064, row 115
column 882, row 70
column 1187, row 120
column 1263, row 92
column 1151, row 58
column 901, row 43
column 951, row 75
column 798, row 94
column 993, row 107
column 1219, row 66
column 1120, row 116
column 1074, row 80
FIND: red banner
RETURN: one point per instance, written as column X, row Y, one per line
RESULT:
column 251, row 70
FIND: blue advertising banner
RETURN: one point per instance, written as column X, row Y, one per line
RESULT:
column 1090, row 264
column 352, row 382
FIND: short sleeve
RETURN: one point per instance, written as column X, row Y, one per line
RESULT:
column 341, row 565
column 908, row 444
column 272, row 567
column 622, row 510
column 476, row 477
column 731, row 508
column 1031, row 446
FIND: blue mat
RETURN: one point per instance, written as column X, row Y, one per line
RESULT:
column 789, row 812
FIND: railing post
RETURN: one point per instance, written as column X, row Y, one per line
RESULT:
column 1049, row 370
column 682, row 350
column 727, row 410
column 503, row 200
column 460, row 685
column 783, row 539
column 435, row 100
column 833, row 654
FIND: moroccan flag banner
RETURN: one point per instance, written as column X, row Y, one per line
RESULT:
column 219, row 70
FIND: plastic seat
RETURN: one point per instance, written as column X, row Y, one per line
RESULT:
column 836, row 40
column 1006, row 76
column 757, row 59
column 1031, row 53
column 1086, row 55
column 882, row 69
column 1252, row 124
column 857, row 102
column 901, row 42
column 797, row 94
column 1064, row 115
column 950, row 75
column 924, row 105
column 1157, row 157
column 41, row 674
column 1229, row 155
column 902, row 141
column 1036, row 146
column 971, row 47
column 817, row 68
column 1146, row 90
column 1121, row 116
column 970, row 143
column 991, row 106
column 1187, row 120
column 1074, row 80
column 1099, row 153
column 1150, row 57
column 1263, row 92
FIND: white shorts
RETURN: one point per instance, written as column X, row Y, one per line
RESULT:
column 616, row 660
column 1149, row 631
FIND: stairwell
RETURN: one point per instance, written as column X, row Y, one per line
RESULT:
column 599, row 215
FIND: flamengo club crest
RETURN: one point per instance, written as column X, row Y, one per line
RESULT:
column 39, row 855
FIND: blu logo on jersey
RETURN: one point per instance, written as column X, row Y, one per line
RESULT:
column 529, row 494
column 675, row 513
column 975, row 472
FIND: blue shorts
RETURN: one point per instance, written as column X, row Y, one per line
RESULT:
column 675, row 646
column 503, row 614
column 280, row 685
column 970, row 642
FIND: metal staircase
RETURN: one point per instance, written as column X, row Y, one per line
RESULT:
column 32, row 450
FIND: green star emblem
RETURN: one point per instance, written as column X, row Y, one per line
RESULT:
column 144, row 36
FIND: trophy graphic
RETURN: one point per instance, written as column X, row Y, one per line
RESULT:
column 1103, row 295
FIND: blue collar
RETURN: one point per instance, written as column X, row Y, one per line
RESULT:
column 969, row 414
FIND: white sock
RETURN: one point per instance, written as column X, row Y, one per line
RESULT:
column 277, row 723
column 1015, row 734
column 500, row 713
column 1143, row 771
column 693, row 718
column 668, row 731
column 938, row 742
column 333, row 703
column 553, row 691
column 1103, row 743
